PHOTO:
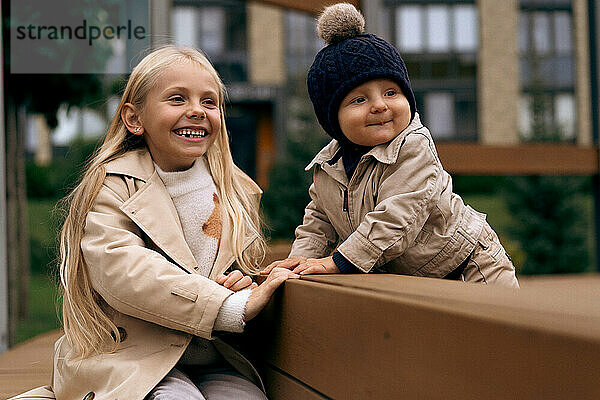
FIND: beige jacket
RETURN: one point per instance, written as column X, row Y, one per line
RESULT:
column 397, row 214
column 140, row 264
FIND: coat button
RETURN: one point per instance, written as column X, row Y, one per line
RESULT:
column 89, row 396
column 122, row 333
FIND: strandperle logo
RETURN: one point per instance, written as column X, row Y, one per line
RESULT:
column 85, row 31
column 77, row 36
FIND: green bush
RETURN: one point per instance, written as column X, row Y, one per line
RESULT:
column 45, row 185
column 477, row 184
column 550, row 223
column 56, row 180
column 287, row 195
column 44, row 305
column 44, row 226
column 549, row 211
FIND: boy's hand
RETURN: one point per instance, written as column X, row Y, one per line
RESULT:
column 236, row 281
column 317, row 266
column 288, row 263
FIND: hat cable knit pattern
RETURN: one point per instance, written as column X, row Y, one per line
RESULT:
column 350, row 59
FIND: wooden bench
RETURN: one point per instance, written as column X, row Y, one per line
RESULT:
column 398, row 337
column 389, row 337
column 27, row 365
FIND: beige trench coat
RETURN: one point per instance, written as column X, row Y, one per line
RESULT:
column 140, row 264
column 398, row 213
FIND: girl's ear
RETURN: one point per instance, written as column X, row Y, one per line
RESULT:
column 131, row 119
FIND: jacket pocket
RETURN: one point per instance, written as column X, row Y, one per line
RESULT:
column 183, row 292
column 490, row 246
column 423, row 237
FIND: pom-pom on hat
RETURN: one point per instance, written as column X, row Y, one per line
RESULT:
column 350, row 59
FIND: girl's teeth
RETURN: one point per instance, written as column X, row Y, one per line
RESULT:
column 188, row 133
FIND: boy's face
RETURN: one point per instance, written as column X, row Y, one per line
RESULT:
column 374, row 112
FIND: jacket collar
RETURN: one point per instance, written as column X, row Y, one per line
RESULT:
column 153, row 211
column 136, row 164
column 386, row 153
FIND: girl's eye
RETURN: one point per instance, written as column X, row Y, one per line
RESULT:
column 209, row 102
column 358, row 100
column 176, row 98
column 390, row 93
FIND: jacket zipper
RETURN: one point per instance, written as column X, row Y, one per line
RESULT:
column 345, row 208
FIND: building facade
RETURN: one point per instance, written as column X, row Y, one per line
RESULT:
column 479, row 69
column 475, row 66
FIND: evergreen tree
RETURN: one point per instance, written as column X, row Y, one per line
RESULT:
column 547, row 210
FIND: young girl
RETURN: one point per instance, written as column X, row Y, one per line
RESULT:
column 160, row 214
column 381, row 201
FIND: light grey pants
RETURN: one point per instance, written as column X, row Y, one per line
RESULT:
column 220, row 384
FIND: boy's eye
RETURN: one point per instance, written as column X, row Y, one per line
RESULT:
column 358, row 100
column 390, row 92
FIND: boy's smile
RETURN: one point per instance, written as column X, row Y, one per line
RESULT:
column 374, row 112
column 181, row 115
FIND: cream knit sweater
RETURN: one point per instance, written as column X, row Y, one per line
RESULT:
column 195, row 197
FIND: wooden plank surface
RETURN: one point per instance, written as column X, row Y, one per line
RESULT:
column 522, row 159
column 27, row 365
column 279, row 385
column 390, row 337
column 382, row 336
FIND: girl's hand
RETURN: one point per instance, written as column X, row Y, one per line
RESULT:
column 317, row 266
column 236, row 281
column 260, row 296
column 288, row 263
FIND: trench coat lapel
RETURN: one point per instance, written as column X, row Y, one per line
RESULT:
column 152, row 209
column 224, row 255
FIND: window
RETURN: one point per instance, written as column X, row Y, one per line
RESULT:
column 438, row 41
column 302, row 42
column 212, row 30
column 409, row 36
column 181, row 20
column 465, row 29
column 439, row 113
column 547, row 67
column 218, row 28
column 436, row 28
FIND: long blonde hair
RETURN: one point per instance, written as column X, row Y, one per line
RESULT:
column 86, row 322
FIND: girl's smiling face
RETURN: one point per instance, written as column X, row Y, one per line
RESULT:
column 181, row 115
column 374, row 112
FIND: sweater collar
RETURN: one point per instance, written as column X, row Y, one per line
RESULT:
column 182, row 182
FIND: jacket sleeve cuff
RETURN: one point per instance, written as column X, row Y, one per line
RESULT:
column 309, row 248
column 360, row 252
column 231, row 313
column 345, row 266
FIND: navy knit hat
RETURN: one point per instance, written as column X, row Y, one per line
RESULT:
column 350, row 59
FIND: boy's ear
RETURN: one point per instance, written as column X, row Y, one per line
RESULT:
column 131, row 119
